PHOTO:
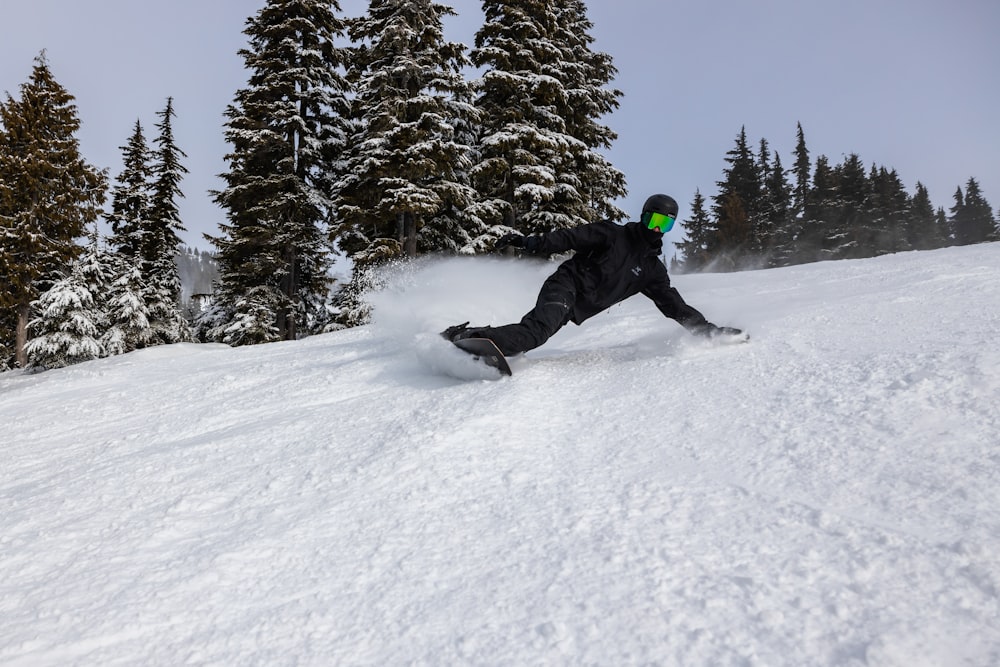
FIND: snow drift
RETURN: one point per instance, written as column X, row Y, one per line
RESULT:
column 825, row 495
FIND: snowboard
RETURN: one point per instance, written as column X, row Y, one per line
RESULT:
column 486, row 351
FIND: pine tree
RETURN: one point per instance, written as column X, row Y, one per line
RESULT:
column 737, row 206
column 944, row 227
column 819, row 213
column 66, row 329
column 848, row 229
column 698, row 235
column 585, row 75
column 528, row 176
column 512, row 176
column 95, row 268
column 972, row 216
column 800, row 191
column 406, row 177
column 130, row 198
column 777, row 215
column 161, row 242
column 48, row 194
column 957, row 218
column 132, row 240
column 889, row 210
column 288, row 129
column 128, row 318
column 792, row 237
column 922, row 229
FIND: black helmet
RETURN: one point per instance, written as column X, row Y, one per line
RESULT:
column 662, row 204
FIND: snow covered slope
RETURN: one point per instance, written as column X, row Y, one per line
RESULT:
column 826, row 495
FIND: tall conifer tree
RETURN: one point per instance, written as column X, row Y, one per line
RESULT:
column 128, row 318
column 737, row 206
column 847, row 230
column 777, row 215
column 48, row 194
column 697, row 244
column 161, row 242
column 538, row 169
column 889, row 210
column 923, row 230
column 406, row 176
column 800, row 168
column 130, row 202
column 972, row 216
column 819, row 212
column 793, row 234
column 287, row 130
column 957, row 218
column 943, row 225
column 585, row 75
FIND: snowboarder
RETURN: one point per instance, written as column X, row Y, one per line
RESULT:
column 612, row 262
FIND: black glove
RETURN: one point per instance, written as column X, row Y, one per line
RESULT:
column 508, row 241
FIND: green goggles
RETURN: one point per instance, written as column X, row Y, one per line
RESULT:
column 658, row 221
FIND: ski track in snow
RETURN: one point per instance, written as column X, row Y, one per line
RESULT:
column 824, row 495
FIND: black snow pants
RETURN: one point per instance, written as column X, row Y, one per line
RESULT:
column 551, row 312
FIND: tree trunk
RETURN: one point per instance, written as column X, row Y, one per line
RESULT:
column 409, row 235
column 511, row 217
column 21, row 355
column 291, row 286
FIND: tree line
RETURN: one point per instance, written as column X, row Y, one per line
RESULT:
column 764, row 215
column 365, row 137
column 360, row 136
column 367, row 133
column 70, row 295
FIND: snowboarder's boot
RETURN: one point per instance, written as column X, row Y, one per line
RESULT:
column 456, row 332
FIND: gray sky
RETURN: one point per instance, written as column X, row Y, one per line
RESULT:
column 908, row 84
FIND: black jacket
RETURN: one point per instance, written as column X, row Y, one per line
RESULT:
column 613, row 262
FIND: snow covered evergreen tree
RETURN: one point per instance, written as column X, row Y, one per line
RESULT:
column 72, row 314
column 132, row 238
column 406, row 176
column 287, row 129
column 48, row 195
column 95, row 267
column 539, row 170
column 128, row 320
column 66, row 330
column 162, row 289
column 144, row 222
column 130, row 198
column 585, row 75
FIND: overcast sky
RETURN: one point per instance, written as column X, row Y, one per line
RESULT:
column 906, row 84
